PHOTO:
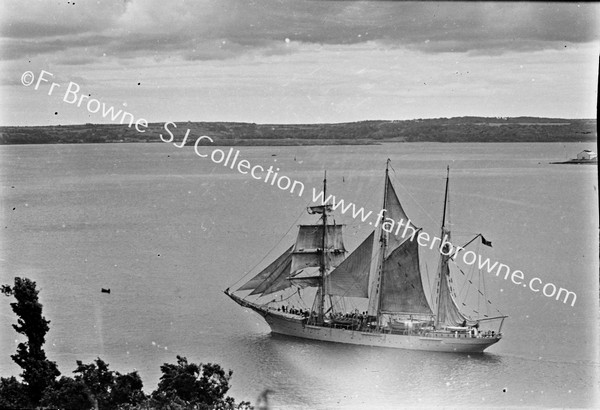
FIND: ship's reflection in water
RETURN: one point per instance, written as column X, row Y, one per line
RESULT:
column 350, row 376
column 301, row 373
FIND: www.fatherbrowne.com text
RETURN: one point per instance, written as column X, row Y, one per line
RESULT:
column 273, row 177
column 407, row 231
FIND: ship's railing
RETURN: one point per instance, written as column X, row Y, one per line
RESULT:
column 463, row 335
column 446, row 334
column 420, row 332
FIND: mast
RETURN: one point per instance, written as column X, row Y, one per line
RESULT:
column 323, row 267
column 443, row 258
column 382, row 246
column 446, row 197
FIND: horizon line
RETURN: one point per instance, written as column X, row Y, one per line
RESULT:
column 305, row 123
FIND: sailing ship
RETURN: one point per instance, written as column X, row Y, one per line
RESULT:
column 383, row 271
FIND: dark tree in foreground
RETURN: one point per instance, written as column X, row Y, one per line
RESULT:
column 127, row 389
column 182, row 386
column 95, row 387
column 38, row 372
column 68, row 394
column 188, row 384
column 13, row 394
column 98, row 379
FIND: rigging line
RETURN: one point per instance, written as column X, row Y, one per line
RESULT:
column 348, row 290
column 397, row 181
column 478, row 284
column 471, row 284
column 290, row 296
column 485, row 302
column 301, row 300
column 469, row 279
column 478, row 251
column 271, row 250
column 343, row 304
column 468, row 243
column 429, row 285
column 340, row 302
column 460, row 293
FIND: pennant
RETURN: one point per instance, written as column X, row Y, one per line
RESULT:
column 485, row 242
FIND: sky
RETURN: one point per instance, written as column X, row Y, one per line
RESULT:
column 295, row 61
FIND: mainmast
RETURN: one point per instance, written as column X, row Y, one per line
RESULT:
column 443, row 258
column 375, row 295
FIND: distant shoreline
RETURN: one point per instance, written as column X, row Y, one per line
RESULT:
column 458, row 129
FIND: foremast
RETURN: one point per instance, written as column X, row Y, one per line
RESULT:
column 323, row 260
column 329, row 250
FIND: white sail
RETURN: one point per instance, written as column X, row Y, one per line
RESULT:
column 396, row 285
column 351, row 277
column 267, row 277
column 396, row 222
column 309, row 247
column 401, row 284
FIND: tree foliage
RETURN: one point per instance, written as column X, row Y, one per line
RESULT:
column 38, row 372
column 13, row 394
column 127, row 389
column 201, row 385
column 94, row 386
column 68, row 394
column 98, row 380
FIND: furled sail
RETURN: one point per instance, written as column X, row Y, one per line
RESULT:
column 309, row 244
column 448, row 312
column 351, row 277
column 401, row 286
column 319, row 209
column 394, row 217
column 306, row 281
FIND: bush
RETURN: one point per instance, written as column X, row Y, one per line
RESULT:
column 13, row 394
column 68, row 394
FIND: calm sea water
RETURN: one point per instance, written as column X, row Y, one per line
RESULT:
column 167, row 231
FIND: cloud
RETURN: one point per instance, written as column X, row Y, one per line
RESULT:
column 42, row 19
column 224, row 29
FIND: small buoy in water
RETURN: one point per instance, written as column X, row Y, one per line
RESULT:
column 105, row 290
